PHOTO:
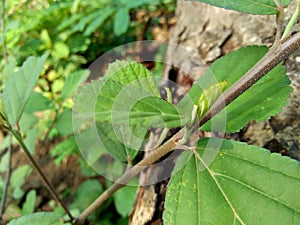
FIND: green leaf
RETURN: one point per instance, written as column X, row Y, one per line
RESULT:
column 86, row 19
column 107, row 12
column 64, row 123
column 29, row 204
column 87, row 192
column 67, row 22
column 263, row 7
column 124, row 199
column 121, row 21
column 78, row 43
column 123, row 104
column 27, row 122
column 242, row 185
column 9, row 69
column 60, row 51
column 45, row 38
column 128, row 103
column 266, row 98
column 37, row 102
column 44, row 218
column 83, row 116
column 63, row 149
column 72, row 82
column 18, row 178
column 30, row 47
column 19, row 87
column 31, row 138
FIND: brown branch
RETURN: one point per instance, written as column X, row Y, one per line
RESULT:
column 274, row 56
column 167, row 147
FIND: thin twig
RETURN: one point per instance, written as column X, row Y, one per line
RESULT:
column 7, row 180
column 167, row 147
column 4, row 50
column 275, row 55
column 40, row 172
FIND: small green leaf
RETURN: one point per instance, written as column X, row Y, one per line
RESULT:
column 263, row 7
column 121, row 21
column 18, row 178
column 64, row 123
column 31, row 138
column 124, row 200
column 123, row 104
column 128, row 104
column 209, row 96
column 84, row 20
column 37, row 102
column 27, row 122
column 67, row 22
column 29, row 204
column 242, row 185
column 9, row 69
column 87, row 192
column 45, row 38
column 107, row 12
column 264, row 99
column 63, row 149
column 72, row 82
column 60, row 51
column 30, row 47
column 44, row 218
column 77, row 42
column 19, row 87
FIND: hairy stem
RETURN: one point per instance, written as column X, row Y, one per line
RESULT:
column 167, row 147
column 40, row 171
column 274, row 56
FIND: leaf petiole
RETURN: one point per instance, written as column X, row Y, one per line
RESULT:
column 291, row 23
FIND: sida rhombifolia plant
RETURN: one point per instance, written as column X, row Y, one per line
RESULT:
column 215, row 181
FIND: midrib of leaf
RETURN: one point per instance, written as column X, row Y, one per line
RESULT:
column 198, row 191
column 260, row 4
column 212, row 174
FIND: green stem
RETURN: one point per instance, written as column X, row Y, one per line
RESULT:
column 40, row 171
